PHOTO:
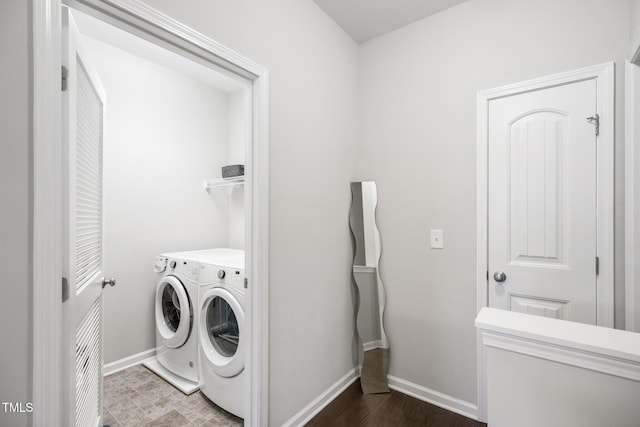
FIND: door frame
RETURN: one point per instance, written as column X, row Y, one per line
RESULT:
column 632, row 186
column 604, row 74
column 144, row 21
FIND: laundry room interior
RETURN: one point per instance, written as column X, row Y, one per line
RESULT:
column 171, row 126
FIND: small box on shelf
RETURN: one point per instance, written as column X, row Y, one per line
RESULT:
column 232, row 171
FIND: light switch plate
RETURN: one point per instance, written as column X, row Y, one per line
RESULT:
column 437, row 239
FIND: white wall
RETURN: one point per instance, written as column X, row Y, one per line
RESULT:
column 312, row 73
column 237, row 141
column 418, row 115
column 165, row 132
column 15, row 213
column 634, row 17
column 545, row 393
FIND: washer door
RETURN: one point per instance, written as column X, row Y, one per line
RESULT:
column 173, row 312
column 221, row 328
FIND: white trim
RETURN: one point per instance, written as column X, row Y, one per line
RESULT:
column 258, row 298
column 425, row 394
column 632, row 80
column 593, row 361
column 150, row 24
column 609, row 342
column 604, row 75
column 441, row 400
column 482, row 182
column 47, row 217
column 482, row 380
column 604, row 350
column 320, row 402
column 629, row 183
column 127, row 362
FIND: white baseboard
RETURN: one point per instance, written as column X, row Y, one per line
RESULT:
column 127, row 362
column 434, row 397
column 320, row 402
column 441, row 400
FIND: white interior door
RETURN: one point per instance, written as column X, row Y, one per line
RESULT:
column 542, row 202
column 83, row 120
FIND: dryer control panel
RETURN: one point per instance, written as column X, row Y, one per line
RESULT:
column 233, row 277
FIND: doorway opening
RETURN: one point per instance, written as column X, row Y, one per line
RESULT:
column 220, row 81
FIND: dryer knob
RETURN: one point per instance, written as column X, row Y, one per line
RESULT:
column 221, row 274
column 172, row 264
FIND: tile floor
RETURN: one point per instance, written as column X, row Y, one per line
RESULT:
column 137, row 397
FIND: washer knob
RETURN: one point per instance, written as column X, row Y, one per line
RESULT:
column 221, row 274
column 172, row 264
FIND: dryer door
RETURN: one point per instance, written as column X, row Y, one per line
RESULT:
column 221, row 328
column 173, row 312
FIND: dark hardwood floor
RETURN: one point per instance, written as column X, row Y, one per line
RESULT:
column 352, row 408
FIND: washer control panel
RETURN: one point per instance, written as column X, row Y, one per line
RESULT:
column 189, row 269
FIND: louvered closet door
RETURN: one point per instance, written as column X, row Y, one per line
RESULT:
column 83, row 122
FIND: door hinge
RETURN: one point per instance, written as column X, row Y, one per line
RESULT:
column 597, row 265
column 487, row 275
column 246, row 283
column 595, row 120
column 63, row 81
column 65, row 289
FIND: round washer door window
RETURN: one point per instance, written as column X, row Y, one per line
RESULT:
column 221, row 327
column 173, row 312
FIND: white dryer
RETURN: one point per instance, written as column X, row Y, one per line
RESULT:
column 222, row 342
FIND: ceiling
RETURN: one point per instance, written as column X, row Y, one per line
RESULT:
column 99, row 30
column 366, row 19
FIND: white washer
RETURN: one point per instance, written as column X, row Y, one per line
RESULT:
column 222, row 343
column 176, row 313
column 176, row 305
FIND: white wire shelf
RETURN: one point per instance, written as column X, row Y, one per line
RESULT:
column 212, row 184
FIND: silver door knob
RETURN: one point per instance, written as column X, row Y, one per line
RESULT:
column 499, row 276
column 110, row 282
